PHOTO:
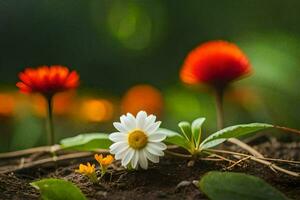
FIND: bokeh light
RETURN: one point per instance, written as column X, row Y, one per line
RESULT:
column 96, row 110
column 132, row 24
column 246, row 97
column 7, row 104
column 142, row 97
column 63, row 103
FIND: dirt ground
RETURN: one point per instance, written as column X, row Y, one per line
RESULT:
column 160, row 181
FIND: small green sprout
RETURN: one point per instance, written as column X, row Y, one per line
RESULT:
column 190, row 137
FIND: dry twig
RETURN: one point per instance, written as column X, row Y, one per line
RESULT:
column 259, row 160
column 239, row 161
column 44, row 161
column 185, row 156
column 246, row 147
column 34, row 150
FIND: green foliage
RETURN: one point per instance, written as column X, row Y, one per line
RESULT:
column 232, row 131
column 196, row 130
column 175, row 138
column 87, row 142
column 185, row 128
column 58, row 189
column 229, row 186
column 190, row 136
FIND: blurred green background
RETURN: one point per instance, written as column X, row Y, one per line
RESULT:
column 119, row 44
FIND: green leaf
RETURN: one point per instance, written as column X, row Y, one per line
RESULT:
column 196, row 130
column 175, row 138
column 185, row 128
column 230, row 185
column 87, row 142
column 58, row 189
column 232, row 131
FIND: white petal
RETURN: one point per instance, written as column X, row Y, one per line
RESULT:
column 117, row 137
column 156, row 137
column 152, row 128
column 122, row 117
column 135, row 159
column 141, row 120
column 120, row 127
column 128, row 122
column 127, row 157
column 156, row 148
column 158, row 145
column 150, row 120
column 154, row 151
column 120, row 155
column 118, row 147
column 143, row 160
column 132, row 119
column 151, row 157
column 130, row 116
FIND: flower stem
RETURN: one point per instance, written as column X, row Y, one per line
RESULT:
column 50, row 129
column 93, row 178
column 219, row 94
column 219, row 107
column 103, row 171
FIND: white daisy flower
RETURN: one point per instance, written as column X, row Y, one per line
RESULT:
column 137, row 140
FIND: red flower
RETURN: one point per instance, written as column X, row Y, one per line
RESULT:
column 47, row 80
column 215, row 63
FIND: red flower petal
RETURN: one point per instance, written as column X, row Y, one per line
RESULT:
column 215, row 63
column 47, row 80
column 23, row 87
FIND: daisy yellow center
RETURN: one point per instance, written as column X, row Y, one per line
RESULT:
column 137, row 139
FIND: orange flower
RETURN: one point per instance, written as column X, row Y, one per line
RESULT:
column 104, row 161
column 86, row 169
column 215, row 63
column 47, row 80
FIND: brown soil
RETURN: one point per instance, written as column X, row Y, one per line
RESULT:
column 159, row 181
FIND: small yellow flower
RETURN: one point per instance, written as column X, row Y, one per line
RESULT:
column 104, row 162
column 88, row 170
